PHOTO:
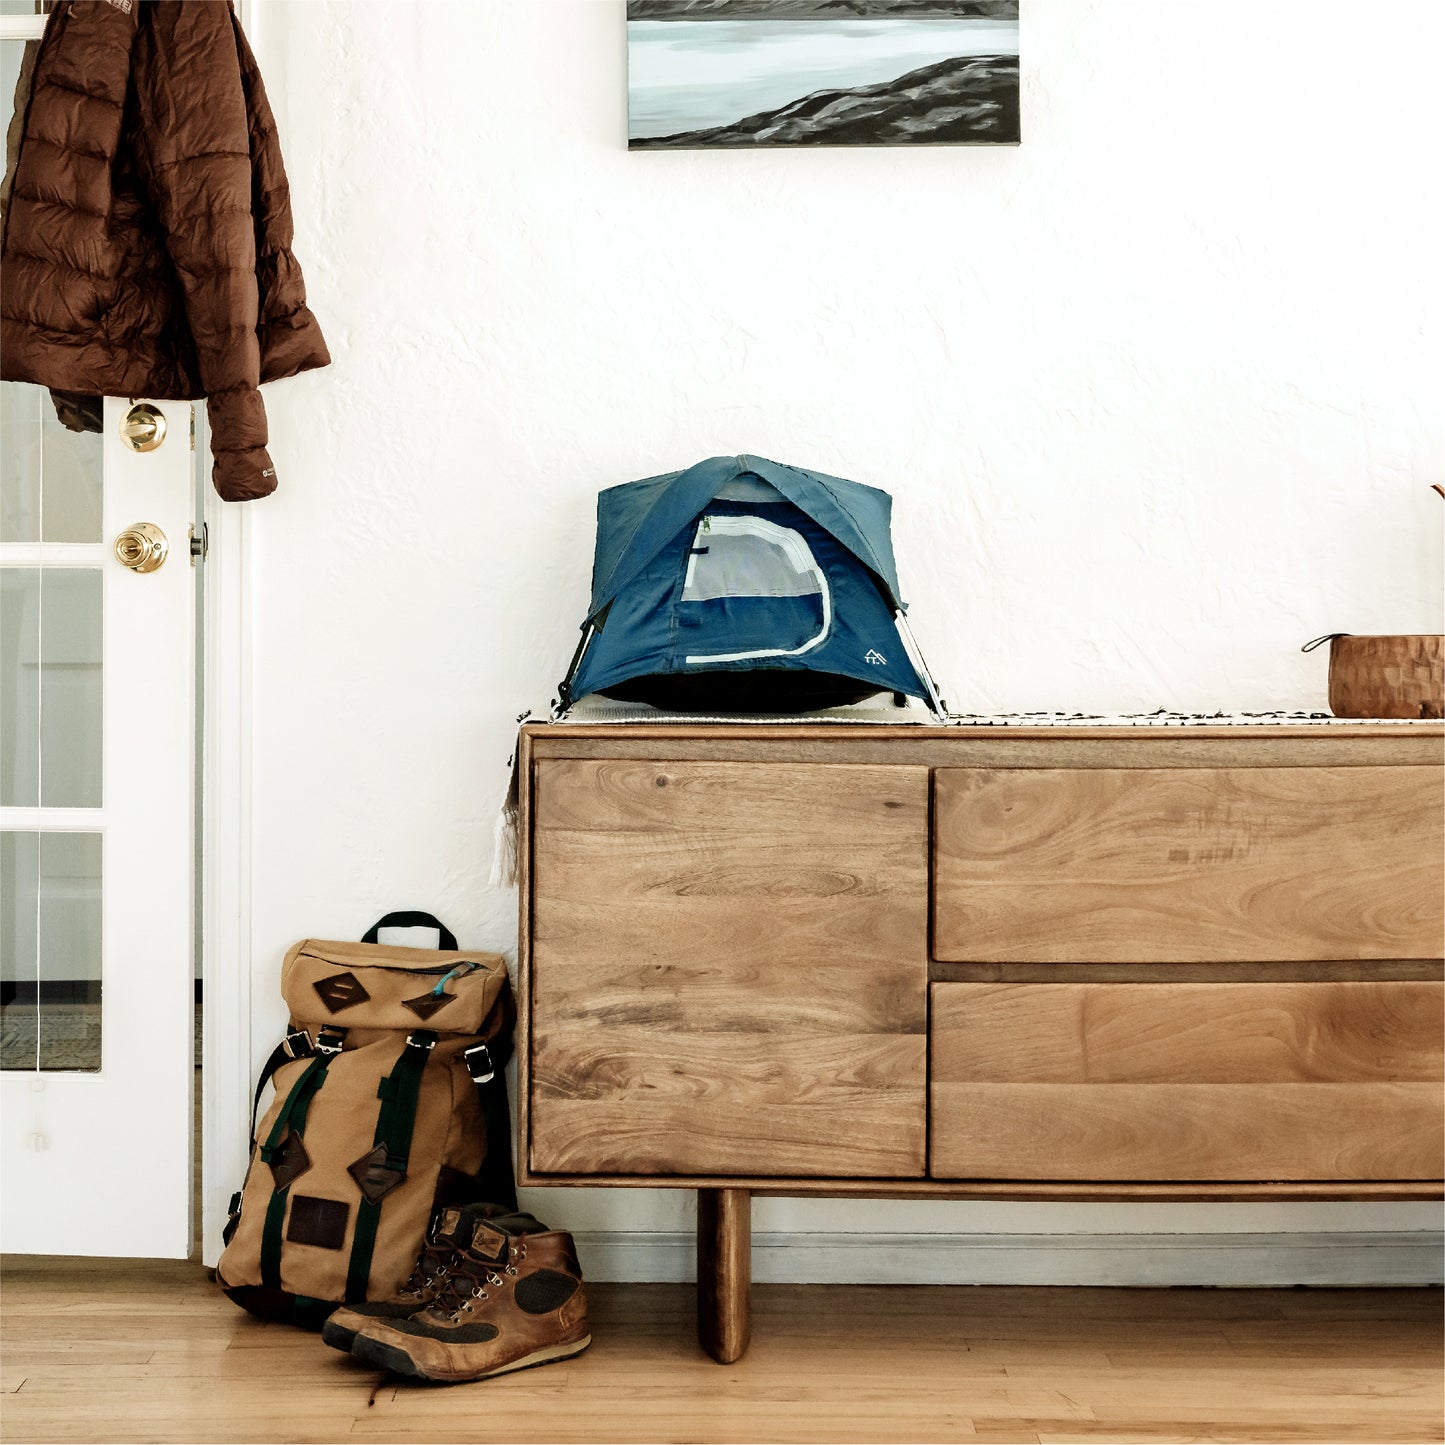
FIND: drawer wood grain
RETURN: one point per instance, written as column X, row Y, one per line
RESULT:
column 728, row 969
column 1115, row 865
column 1205, row 1082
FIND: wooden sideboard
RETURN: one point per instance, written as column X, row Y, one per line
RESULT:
column 1196, row 962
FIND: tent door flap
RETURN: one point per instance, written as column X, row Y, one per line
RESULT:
column 740, row 563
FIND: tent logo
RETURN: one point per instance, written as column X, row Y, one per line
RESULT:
column 874, row 657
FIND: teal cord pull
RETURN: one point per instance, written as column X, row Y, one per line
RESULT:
column 447, row 977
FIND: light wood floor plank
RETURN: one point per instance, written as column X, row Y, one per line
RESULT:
column 123, row 1351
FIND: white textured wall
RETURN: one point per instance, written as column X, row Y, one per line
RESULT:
column 1157, row 395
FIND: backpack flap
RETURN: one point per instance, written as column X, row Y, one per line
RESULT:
column 376, row 986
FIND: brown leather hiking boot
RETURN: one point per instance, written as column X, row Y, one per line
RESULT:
column 450, row 1228
column 509, row 1301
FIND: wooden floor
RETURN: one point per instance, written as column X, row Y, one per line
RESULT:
column 118, row 1351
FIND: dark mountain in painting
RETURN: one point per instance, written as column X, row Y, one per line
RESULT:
column 822, row 9
column 972, row 98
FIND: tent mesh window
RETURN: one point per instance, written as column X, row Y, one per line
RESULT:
column 742, row 557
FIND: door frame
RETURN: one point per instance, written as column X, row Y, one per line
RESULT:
column 224, row 669
column 224, row 855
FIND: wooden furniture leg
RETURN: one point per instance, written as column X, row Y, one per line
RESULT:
column 724, row 1272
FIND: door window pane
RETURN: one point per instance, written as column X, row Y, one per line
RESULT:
column 70, row 470
column 70, row 687
column 51, row 687
column 50, row 477
column 20, row 687
column 20, row 462
column 50, row 956
column 19, row 958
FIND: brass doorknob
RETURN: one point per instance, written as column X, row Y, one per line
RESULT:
column 142, row 548
column 144, row 427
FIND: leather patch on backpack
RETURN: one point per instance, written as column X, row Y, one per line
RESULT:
column 321, row 1222
column 290, row 1163
column 425, row 1005
column 341, row 991
column 372, row 1176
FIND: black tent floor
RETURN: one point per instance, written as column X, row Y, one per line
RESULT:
column 770, row 690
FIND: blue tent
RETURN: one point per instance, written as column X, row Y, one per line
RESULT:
column 745, row 585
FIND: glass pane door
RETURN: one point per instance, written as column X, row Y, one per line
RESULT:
column 52, row 680
column 96, row 865
column 97, row 749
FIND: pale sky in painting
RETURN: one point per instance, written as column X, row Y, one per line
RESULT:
column 685, row 75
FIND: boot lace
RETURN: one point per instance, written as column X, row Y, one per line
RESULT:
column 467, row 1283
column 432, row 1267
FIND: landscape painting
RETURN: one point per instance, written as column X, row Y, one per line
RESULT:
column 742, row 73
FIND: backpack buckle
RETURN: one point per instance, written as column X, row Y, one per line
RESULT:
column 297, row 1044
column 233, row 1218
column 330, row 1040
column 423, row 1039
column 478, row 1060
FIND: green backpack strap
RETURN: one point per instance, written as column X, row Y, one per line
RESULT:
column 290, row 1120
column 385, row 1167
column 296, row 1045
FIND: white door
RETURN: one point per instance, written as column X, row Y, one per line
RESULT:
column 96, row 759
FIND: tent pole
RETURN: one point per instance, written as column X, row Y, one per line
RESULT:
column 564, row 688
column 916, row 658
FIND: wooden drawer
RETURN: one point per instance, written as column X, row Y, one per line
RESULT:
column 1122, row 865
column 728, row 969
column 1255, row 1081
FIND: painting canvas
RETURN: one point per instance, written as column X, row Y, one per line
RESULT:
column 742, row 73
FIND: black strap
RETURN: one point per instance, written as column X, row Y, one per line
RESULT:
column 496, row 1184
column 292, row 1116
column 296, row 1045
column 411, row 918
column 396, row 1118
column 495, row 1181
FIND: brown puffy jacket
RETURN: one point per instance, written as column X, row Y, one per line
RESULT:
column 147, row 233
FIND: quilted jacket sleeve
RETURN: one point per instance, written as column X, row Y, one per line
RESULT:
column 197, row 161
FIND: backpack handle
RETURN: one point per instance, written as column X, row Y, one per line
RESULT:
column 411, row 918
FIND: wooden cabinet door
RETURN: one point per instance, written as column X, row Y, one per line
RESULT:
column 728, row 969
column 1164, row 865
column 1162, row 1081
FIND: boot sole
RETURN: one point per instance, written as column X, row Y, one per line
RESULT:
column 337, row 1336
column 392, row 1357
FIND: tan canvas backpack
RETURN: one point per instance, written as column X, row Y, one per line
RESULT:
column 390, row 1102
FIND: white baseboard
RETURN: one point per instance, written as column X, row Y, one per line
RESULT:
column 1342, row 1258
